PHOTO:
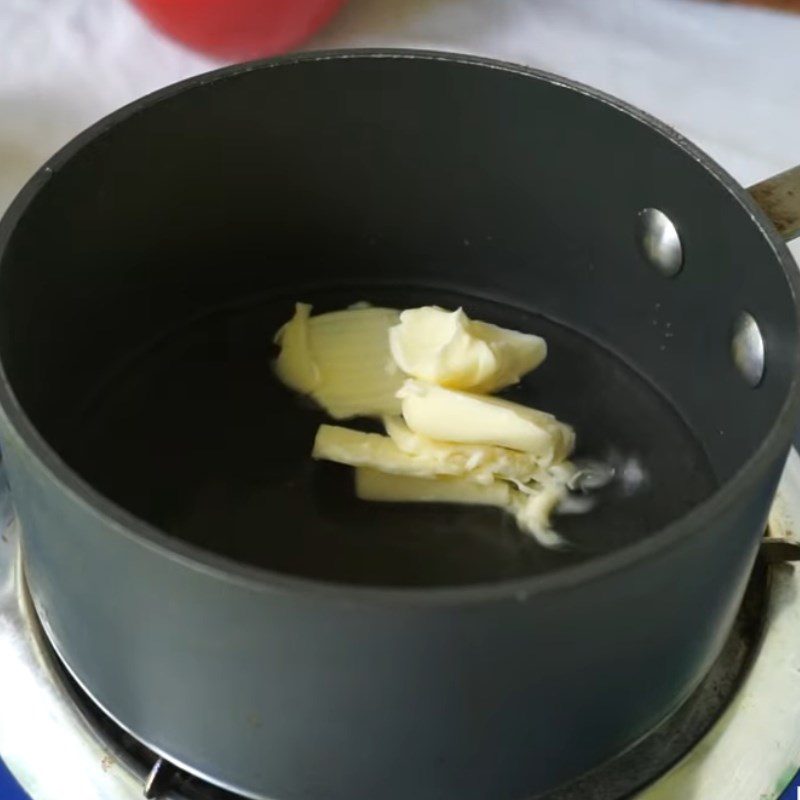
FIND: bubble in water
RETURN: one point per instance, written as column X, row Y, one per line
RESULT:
column 632, row 476
column 576, row 504
column 591, row 475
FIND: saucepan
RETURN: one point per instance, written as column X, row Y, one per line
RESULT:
column 226, row 599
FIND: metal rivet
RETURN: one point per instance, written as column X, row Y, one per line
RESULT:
column 659, row 241
column 747, row 348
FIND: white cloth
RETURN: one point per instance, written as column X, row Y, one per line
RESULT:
column 725, row 75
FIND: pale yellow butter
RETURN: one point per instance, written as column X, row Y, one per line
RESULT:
column 342, row 360
column 448, row 473
column 406, row 453
column 372, row 484
column 452, row 416
column 449, row 349
column 359, row 449
column 444, row 444
column 482, row 462
column 531, row 509
column 295, row 365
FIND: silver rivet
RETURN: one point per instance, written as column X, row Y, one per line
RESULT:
column 659, row 241
column 747, row 348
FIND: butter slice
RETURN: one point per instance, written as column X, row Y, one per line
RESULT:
column 295, row 365
column 445, row 473
column 532, row 511
column 449, row 349
column 404, row 452
column 372, row 484
column 483, row 463
column 342, row 360
column 358, row 449
column 452, row 416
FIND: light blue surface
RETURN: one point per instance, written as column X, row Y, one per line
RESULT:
column 793, row 790
column 9, row 788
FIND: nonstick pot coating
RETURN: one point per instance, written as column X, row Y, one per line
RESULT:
column 198, row 437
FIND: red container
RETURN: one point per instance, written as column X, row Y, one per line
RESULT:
column 237, row 30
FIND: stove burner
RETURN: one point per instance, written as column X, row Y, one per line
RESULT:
column 159, row 778
column 618, row 779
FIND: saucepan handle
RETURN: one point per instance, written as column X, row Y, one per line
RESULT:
column 779, row 196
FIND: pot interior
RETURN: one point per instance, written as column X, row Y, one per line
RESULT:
column 142, row 285
column 199, row 438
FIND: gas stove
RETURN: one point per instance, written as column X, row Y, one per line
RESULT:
column 736, row 738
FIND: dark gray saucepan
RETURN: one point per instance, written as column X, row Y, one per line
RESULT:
column 229, row 602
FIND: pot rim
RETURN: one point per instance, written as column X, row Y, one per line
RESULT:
column 49, row 463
